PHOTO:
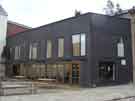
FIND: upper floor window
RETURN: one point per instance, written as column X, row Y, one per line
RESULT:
column 33, row 51
column 17, row 52
column 60, row 47
column 23, row 48
column 49, row 49
column 10, row 50
column 79, row 44
column 120, row 48
column 83, row 44
column 76, row 45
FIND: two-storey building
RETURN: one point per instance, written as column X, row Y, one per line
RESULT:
column 89, row 50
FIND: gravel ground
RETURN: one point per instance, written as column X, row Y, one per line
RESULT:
column 113, row 93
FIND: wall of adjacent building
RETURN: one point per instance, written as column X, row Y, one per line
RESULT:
column 3, row 30
column 132, row 19
column 14, row 28
column 133, row 43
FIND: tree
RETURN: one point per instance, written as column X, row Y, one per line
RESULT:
column 118, row 8
column 109, row 10
column 77, row 13
column 112, row 9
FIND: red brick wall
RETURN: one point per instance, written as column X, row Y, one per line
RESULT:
column 12, row 29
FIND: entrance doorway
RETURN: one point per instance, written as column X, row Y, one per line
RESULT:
column 75, row 73
column 61, row 72
column 65, row 72
column 16, row 70
column 107, row 71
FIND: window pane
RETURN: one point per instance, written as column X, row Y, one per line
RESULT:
column 17, row 52
column 60, row 47
column 120, row 48
column 30, row 49
column 76, row 45
column 34, row 52
column 83, row 44
column 51, row 71
column 10, row 55
column 49, row 49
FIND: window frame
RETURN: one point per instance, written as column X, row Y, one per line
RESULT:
column 121, row 48
column 63, row 46
column 47, row 50
column 80, row 44
column 17, row 51
column 31, row 51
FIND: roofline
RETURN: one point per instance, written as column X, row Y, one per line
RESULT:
column 32, row 29
column 121, row 14
column 36, row 28
column 127, row 12
column 18, row 24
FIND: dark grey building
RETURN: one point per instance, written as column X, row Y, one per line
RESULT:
column 88, row 50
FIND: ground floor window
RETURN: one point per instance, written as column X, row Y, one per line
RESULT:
column 106, row 71
column 61, row 72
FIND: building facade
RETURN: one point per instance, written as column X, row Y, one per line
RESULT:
column 130, row 14
column 3, row 30
column 89, row 50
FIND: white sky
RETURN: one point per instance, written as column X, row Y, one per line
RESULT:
column 39, row 12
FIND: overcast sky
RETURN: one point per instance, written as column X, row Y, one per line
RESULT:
column 39, row 12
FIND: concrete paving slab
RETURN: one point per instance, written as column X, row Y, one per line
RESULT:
column 83, row 94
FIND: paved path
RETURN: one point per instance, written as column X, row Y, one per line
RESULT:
column 86, row 94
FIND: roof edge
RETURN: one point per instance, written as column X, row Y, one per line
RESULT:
column 18, row 24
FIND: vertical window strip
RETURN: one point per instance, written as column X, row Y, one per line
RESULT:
column 60, row 47
column 34, row 52
column 10, row 54
column 79, row 44
column 83, row 44
column 76, row 45
column 120, row 48
column 49, row 49
column 30, row 52
column 17, row 52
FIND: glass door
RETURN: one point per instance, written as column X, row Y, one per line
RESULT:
column 75, row 73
